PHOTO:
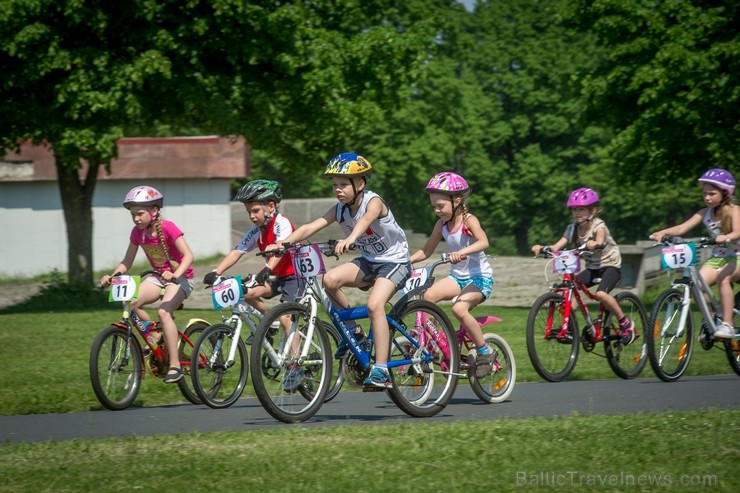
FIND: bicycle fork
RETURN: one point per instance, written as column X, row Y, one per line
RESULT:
column 668, row 324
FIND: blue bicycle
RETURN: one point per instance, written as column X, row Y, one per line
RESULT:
column 292, row 378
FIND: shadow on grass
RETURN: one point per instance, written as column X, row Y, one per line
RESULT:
column 58, row 295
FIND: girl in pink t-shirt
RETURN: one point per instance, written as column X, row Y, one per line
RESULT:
column 168, row 253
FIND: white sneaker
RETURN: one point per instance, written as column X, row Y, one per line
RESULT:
column 724, row 331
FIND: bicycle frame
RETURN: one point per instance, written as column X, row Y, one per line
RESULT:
column 572, row 286
column 315, row 295
column 240, row 313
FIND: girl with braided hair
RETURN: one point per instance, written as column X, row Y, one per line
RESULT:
column 169, row 254
column 471, row 278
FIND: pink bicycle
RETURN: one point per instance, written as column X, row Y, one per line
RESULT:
column 492, row 388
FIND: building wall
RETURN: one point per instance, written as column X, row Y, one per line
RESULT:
column 34, row 230
column 193, row 173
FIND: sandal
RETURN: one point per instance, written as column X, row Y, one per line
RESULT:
column 173, row 377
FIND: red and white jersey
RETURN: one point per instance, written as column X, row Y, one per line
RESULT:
column 278, row 228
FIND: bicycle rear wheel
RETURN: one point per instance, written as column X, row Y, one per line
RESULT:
column 626, row 361
column 669, row 346
column 219, row 383
column 423, row 389
column 185, row 352
column 116, row 368
column 291, row 389
column 732, row 350
column 497, row 386
column 553, row 358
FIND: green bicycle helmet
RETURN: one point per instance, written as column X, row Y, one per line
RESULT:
column 260, row 191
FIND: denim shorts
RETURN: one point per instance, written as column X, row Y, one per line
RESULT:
column 484, row 284
column 185, row 284
column 398, row 274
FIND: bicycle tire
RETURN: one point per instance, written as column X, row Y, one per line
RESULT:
column 185, row 351
column 669, row 349
column 291, row 390
column 116, row 368
column 423, row 386
column 732, row 350
column 626, row 361
column 497, row 386
column 217, row 385
column 337, row 376
column 552, row 359
column 407, row 377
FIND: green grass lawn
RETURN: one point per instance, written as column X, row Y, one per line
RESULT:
column 45, row 370
column 49, row 353
column 648, row 452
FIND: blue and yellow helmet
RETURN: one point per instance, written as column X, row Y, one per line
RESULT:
column 350, row 165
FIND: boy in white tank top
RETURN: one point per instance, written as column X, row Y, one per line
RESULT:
column 369, row 223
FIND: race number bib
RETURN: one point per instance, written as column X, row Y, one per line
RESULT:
column 228, row 293
column 566, row 262
column 417, row 278
column 124, row 288
column 678, row 256
column 307, row 261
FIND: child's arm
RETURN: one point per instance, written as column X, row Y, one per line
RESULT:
column 228, row 262
column 680, row 229
column 124, row 266
column 598, row 241
column 735, row 233
column 537, row 249
column 480, row 243
column 313, row 227
column 185, row 263
column 375, row 209
column 430, row 245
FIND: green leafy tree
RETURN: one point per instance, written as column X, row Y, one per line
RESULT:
column 670, row 89
column 292, row 77
column 501, row 105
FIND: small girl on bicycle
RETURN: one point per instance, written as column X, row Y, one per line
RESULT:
column 721, row 217
column 605, row 263
column 169, row 254
column 384, row 253
column 471, row 278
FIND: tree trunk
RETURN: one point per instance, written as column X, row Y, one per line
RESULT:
column 521, row 237
column 77, row 205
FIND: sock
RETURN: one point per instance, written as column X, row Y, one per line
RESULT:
column 382, row 366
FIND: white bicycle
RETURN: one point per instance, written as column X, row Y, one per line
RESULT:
column 670, row 339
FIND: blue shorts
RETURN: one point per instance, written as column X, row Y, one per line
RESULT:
column 484, row 284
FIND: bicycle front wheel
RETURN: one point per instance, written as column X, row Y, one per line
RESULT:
column 116, row 368
column 496, row 386
column 218, row 381
column 337, row 373
column 669, row 344
column 626, row 360
column 291, row 388
column 185, row 352
column 553, row 355
column 423, row 389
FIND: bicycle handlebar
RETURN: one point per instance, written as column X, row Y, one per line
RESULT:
column 701, row 241
column 548, row 252
column 327, row 248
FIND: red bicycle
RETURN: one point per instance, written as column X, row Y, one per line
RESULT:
column 117, row 361
column 553, row 338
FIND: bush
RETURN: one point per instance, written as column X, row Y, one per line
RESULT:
column 59, row 295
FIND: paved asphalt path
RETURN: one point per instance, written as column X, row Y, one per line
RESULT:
column 536, row 399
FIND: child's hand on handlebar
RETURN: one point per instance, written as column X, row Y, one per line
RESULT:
column 456, row 257
column 343, row 246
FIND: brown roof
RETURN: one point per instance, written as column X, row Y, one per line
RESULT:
column 143, row 158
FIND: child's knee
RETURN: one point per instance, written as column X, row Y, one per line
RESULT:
column 332, row 281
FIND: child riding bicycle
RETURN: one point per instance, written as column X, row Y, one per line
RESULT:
column 168, row 253
column 721, row 217
column 592, row 233
column 260, row 199
column 471, row 279
column 384, row 254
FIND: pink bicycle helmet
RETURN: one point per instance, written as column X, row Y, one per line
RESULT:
column 447, row 182
column 720, row 178
column 143, row 195
column 583, row 197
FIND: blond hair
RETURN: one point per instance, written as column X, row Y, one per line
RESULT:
column 160, row 236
